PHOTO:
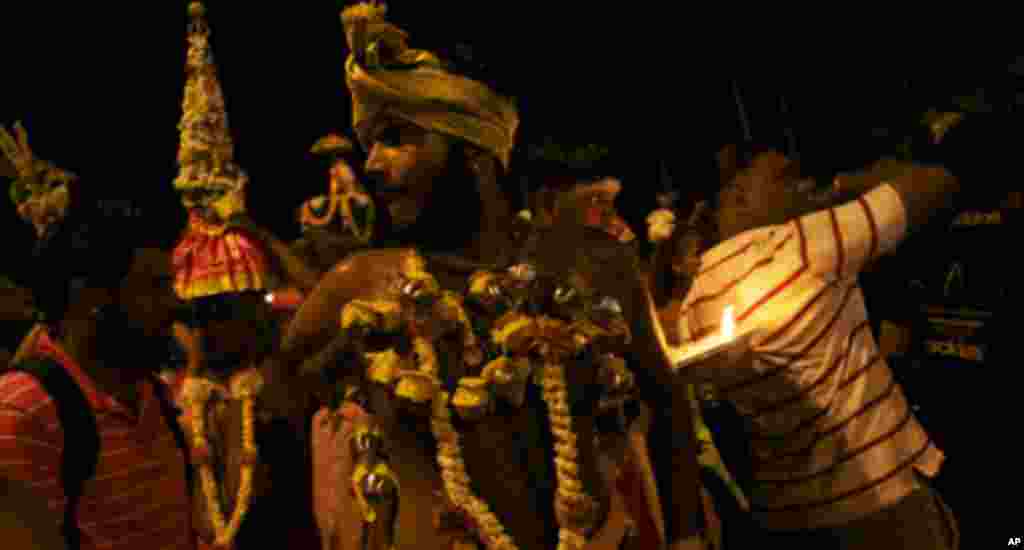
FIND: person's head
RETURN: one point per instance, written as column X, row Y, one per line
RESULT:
column 758, row 187
column 237, row 328
column 418, row 176
column 426, row 116
column 404, row 162
column 92, row 270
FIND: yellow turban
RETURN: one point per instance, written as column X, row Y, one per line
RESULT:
column 387, row 78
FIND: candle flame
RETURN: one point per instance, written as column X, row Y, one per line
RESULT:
column 728, row 323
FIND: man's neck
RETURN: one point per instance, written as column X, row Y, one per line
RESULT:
column 431, row 235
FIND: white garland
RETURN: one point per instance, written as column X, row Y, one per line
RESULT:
column 196, row 396
column 569, row 495
column 456, row 479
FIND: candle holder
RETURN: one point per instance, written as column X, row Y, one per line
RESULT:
column 707, row 348
column 726, row 340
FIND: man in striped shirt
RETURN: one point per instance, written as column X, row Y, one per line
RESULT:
column 840, row 461
column 112, row 329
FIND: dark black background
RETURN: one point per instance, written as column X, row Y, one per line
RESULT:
column 99, row 87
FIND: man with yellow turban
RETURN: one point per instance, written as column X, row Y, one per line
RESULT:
column 439, row 142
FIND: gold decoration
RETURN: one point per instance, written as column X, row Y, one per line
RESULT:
column 206, row 151
column 345, row 192
column 380, row 315
column 17, row 151
column 415, row 376
column 384, row 367
column 512, row 331
column 415, row 386
column 509, row 377
column 420, row 386
column 332, row 144
column 40, row 189
column 368, row 465
column 472, row 398
column 940, row 123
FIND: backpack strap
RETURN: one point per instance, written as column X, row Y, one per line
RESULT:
column 171, row 414
column 81, row 450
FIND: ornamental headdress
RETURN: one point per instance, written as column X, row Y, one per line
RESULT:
column 40, row 189
column 347, row 205
column 206, row 151
column 211, row 257
column 387, row 78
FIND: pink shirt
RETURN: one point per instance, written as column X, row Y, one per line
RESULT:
column 138, row 497
column 833, row 437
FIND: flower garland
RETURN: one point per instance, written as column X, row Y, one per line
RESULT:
column 416, row 379
column 569, row 497
column 198, row 393
column 456, row 480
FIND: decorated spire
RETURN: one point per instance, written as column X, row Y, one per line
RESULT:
column 206, row 151
column 213, row 257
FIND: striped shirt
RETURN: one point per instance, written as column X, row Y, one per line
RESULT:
column 138, row 497
column 833, row 437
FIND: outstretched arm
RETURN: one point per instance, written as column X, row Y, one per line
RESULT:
column 891, row 200
column 925, row 191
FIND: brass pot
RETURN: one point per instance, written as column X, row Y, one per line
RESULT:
column 417, row 387
column 384, row 367
column 509, row 377
column 472, row 398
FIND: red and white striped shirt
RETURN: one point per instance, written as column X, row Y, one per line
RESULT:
column 138, row 497
column 833, row 437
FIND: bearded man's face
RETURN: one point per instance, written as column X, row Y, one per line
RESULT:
column 403, row 164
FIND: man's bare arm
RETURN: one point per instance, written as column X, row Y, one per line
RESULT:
column 25, row 521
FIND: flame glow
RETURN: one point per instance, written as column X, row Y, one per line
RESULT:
column 728, row 323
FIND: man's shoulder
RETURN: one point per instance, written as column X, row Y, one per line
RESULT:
column 751, row 244
column 17, row 386
column 25, row 407
column 377, row 258
column 22, row 391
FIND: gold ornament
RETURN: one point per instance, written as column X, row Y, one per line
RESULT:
column 509, row 377
column 472, row 398
column 384, row 367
